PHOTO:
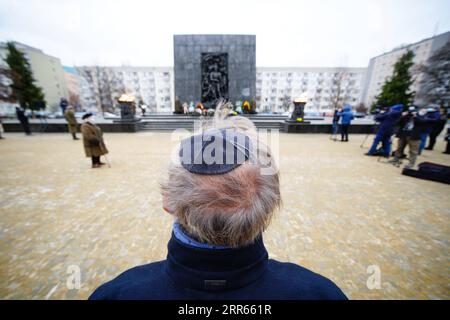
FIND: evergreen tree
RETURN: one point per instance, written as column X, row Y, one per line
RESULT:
column 27, row 93
column 396, row 89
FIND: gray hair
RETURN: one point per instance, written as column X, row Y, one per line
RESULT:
column 230, row 209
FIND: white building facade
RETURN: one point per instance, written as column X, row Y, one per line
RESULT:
column 381, row 67
column 100, row 87
column 276, row 88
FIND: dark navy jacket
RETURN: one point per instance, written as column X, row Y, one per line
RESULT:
column 421, row 124
column 228, row 274
column 388, row 120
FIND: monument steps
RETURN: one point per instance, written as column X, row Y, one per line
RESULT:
column 172, row 122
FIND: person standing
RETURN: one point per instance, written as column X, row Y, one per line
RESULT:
column 411, row 125
column 220, row 211
column 72, row 123
column 185, row 108
column 1, row 129
column 346, row 119
column 143, row 108
column 23, row 120
column 335, row 124
column 437, row 128
column 63, row 103
column 387, row 122
column 433, row 117
column 447, row 138
column 94, row 145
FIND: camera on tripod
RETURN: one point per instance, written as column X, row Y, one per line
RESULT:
column 412, row 111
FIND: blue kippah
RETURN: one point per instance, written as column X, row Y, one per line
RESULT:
column 215, row 151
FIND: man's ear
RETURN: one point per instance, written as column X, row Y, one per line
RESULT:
column 165, row 206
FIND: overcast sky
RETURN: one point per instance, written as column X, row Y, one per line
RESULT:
column 288, row 33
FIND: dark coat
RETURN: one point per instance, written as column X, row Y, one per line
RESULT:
column 205, row 274
column 63, row 104
column 21, row 116
column 335, row 116
column 388, row 120
column 439, row 124
column 420, row 125
column 94, row 146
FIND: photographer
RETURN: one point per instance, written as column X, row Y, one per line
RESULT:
column 387, row 122
column 433, row 115
column 437, row 128
column 447, row 138
column 335, row 123
column 411, row 125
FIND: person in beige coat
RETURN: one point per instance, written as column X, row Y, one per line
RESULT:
column 72, row 123
column 94, row 145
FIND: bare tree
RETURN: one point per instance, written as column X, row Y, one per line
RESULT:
column 435, row 82
column 287, row 101
column 74, row 99
column 104, row 89
column 6, row 93
column 361, row 108
column 88, row 75
column 339, row 88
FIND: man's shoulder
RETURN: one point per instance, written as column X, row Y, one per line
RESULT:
column 132, row 283
column 303, row 283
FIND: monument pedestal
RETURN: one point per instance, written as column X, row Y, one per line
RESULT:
column 127, row 122
column 297, row 127
column 126, row 125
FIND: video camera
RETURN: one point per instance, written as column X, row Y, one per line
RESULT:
column 412, row 110
column 379, row 109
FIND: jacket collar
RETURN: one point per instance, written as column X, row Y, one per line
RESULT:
column 183, row 237
column 215, row 270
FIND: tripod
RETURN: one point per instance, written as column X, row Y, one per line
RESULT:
column 374, row 131
column 43, row 124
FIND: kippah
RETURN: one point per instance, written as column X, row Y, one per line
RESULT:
column 215, row 151
column 87, row 115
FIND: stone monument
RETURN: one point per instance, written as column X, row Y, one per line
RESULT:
column 212, row 67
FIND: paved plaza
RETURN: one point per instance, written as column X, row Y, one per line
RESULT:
column 343, row 215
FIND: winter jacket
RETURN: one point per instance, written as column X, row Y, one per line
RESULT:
column 71, row 120
column 413, row 126
column 205, row 274
column 94, row 146
column 388, row 120
column 346, row 115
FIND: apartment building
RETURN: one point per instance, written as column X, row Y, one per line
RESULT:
column 277, row 87
column 381, row 67
column 101, row 86
column 47, row 71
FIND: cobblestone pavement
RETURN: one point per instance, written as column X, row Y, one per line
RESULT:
column 343, row 212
